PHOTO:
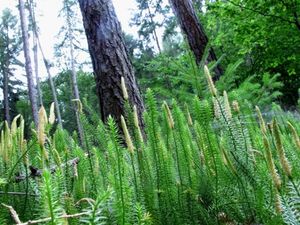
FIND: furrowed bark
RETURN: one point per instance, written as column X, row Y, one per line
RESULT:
column 194, row 32
column 110, row 59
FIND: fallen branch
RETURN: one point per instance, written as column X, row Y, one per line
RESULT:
column 13, row 213
column 17, row 220
column 49, row 218
column 35, row 172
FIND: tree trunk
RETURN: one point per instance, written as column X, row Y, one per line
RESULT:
column 110, row 59
column 36, row 71
column 194, row 31
column 30, row 83
column 154, row 30
column 35, row 52
column 37, row 44
column 74, row 76
column 5, row 71
column 5, row 97
column 53, row 93
column 52, row 87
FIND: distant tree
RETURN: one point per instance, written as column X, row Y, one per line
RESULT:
column 28, row 67
column 145, row 19
column 87, row 89
column 72, row 32
column 31, row 6
column 37, row 44
column 110, row 58
column 10, row 47
column 194, row 32
column 198, row 4
column 132, row 45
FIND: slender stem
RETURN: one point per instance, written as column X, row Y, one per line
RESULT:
column 134, row 176
column 27, row 189
column 120, row 175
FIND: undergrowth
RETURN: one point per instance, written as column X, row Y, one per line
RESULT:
column 209, row 162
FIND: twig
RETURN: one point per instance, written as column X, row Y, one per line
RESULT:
column 49, row 218
column 17, row 220
column 15, row 193
column 13, row 213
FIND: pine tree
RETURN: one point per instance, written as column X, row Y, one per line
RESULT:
column 31, row 7
column 194, row 31
column 9, row 50
column 28, row 67
column 70, row 32
column 110, row 59
column 37, row 44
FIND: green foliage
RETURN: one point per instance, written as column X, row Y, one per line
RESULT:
column 200, row 159
column 10, row 48
column 258, row 40
column 263, row 33
column 291, row 205
column 2, row 181
column 181, row 78
column 261, row 93
column 204, row 163
column 62, row 82
column 95, row 214
column 51, row 199
column 148, row 20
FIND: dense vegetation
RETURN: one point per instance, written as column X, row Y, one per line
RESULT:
column 204, row 151
column 211, row 162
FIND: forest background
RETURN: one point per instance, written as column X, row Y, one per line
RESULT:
column 191, row 119
column 257, row 43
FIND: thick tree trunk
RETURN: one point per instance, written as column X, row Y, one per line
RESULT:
column 30, row 83
column 194, row 31
column 74, row 76
column 110, row 59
